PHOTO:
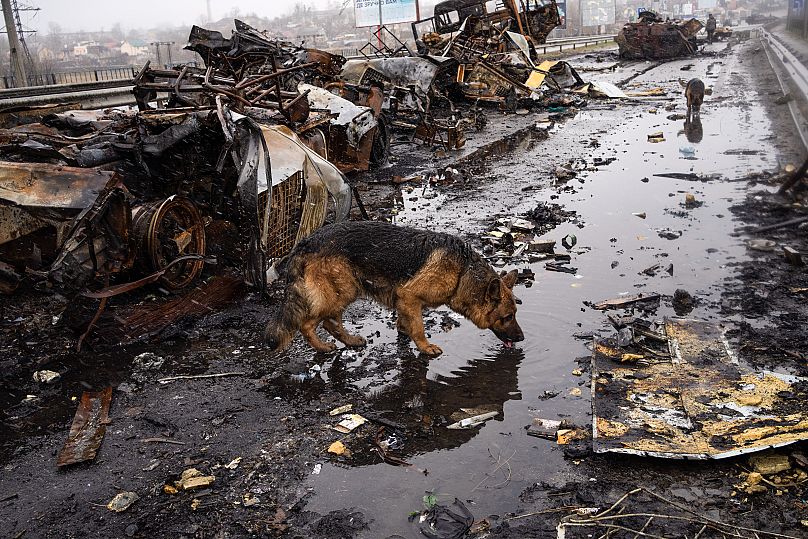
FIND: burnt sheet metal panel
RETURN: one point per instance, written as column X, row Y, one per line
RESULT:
column 51, row 186
column 699, row 405
column 88, row 428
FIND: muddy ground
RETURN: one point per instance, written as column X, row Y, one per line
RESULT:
column 272, row 413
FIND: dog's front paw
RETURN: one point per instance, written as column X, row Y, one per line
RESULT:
column 431, row 349
column 326, row 347
column 355, row 341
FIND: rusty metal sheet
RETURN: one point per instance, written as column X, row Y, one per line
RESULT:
column 701, row 404
column 150, row 319
column 15, row 223
column 88, row 428
column 51, row 186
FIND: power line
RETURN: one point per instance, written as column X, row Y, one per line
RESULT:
column 21, row 62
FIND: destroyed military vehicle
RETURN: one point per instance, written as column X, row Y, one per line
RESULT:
column 652, row 38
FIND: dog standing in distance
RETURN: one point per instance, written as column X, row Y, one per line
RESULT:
column 403, row 268
column 694, row 93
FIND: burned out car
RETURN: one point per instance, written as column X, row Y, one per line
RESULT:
column 472, row 28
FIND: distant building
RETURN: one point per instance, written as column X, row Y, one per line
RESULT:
column 45, row 54
column 88, row 48
column 134, row 47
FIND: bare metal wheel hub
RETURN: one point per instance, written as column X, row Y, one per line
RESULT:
column 166, row 230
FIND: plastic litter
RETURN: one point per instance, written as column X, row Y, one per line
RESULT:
column 446, row 522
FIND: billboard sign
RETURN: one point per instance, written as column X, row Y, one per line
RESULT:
column 597, row 12
column 381, row 12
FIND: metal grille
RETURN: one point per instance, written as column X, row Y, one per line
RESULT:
column 284, row 215
column 314, row 209
column 371, row 75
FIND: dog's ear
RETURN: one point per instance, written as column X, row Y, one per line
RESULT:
column 492, row 293
column 683, row 83
column 708, row 91
column 510, row 279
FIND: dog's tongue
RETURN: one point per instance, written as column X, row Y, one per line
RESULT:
column 508, row 344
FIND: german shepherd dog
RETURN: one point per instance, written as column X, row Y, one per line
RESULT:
column 402, row 268
column 694, row 93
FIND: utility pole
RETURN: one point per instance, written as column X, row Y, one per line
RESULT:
column 17, row 61
column 157, row 45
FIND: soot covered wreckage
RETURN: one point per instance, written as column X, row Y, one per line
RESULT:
column 246, row 146
column 495, row 50
column 254, row 146
column 651, row 38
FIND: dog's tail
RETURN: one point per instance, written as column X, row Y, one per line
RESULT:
column 285, row 324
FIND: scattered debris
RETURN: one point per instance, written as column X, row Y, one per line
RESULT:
column 792, row 256
column 88, row 428
column 199, row 376
column 193, row 479
column 122, row 501
column 566, row 436
column 545, row 428
column 341, row 409
column 569, row 241
column 47, row 377
column 770, row 464
column 627, row 301
column 337, row 448
column 618, row 518
column 761, row 245
column 649, row 409
column 472, row 421
column 683, row 302
column 349, row 423
column 560, row 267
column 445, row 522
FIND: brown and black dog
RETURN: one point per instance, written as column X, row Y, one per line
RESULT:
column 694, row 93
column 403, row 268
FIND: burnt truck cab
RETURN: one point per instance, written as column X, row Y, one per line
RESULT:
column 534, row 19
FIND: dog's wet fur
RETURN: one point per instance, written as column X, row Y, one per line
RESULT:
column 402, row 268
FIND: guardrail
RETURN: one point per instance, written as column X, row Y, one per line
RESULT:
column 74, row 77
column 55, row 89
column 574, row 42
column 797, row 72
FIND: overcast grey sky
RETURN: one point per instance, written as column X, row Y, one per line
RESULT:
column 74, row 15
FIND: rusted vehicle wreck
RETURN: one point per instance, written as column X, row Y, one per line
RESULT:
column 652, row 38
column 463, row 28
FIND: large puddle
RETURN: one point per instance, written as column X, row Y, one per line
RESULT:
column 614, row 246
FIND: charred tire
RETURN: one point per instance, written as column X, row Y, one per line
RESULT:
column 380, row 151
column 165, row 230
